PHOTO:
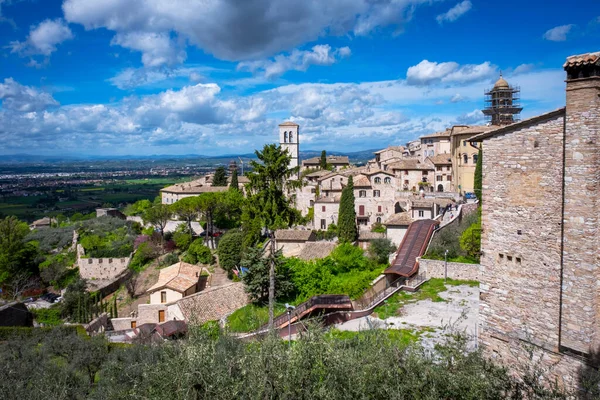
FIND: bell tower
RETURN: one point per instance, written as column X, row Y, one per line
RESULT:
column 289, row 139
column 502, row 103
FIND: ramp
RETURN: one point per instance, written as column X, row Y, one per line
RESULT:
column 414, row 244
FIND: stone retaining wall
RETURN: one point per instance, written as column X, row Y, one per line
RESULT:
column 461, row 271
column 100, row 268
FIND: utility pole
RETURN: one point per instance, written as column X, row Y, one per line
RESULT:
column 272, row 281
column 445, row 266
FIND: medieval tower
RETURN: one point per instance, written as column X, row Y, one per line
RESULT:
column 502, row 103
column 289, row 140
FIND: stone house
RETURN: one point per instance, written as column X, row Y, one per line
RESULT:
column 337, row 162
column 442, row 181
column 176, row 282
column 464, row 156
column 366, row 237
column 173, row 193
column 292, row 241
column 397, row 225
column 434, row 144
column 389, row 153
column 540, row 263
column 412, row 175
column 422, row 209
column 326, row 211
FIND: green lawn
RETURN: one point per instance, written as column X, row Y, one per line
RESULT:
column 429, row 290
column 251, row 317
column 400, row 337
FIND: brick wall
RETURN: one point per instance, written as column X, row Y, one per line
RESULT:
column 436, row 268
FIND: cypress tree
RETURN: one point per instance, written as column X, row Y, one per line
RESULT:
column 478, row 179
column 347, row 230
column 220, row 177
column 234, row 180
column 323, row 162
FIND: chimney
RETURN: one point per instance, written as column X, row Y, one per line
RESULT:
column 580, row 303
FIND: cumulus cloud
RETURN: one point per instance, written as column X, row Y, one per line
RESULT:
column 474, row 117
column 455, row 12
column 233, row 30
column 297, row 60
column 20, row 98
column 427, row 72
column 157, row 48
column 559, row 33
column 457, row 98
column 43, row 38
column 131, row 78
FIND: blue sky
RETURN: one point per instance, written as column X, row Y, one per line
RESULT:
column 216, row 76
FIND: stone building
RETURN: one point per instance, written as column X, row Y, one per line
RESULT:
column 435, row 143
column 464, row 156
column 442, row 181
column 173, row 193
column 540, row 263
column 176, row 282
column 412, row 175
column 289, row 139
column 337, row 162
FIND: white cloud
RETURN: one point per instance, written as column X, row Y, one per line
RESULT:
column 559, row 33
column 455, row 12
column 16, row 97
column 474, row 117
column 233, row 30
column 457, row 98
column 297, row 60
column 427, row 73
column 523, row 69
column 157, row 48
column 43, row 38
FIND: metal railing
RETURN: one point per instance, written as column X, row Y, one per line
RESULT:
column 321, row 300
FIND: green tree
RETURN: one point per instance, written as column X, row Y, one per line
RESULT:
column 470, row 240
column 347, row 230
column 380, row 250
column 16, row 256
column 220, row 177
column 478, row 179
column 210, row 204
column 198, row 253
column 187, row 209
column 323, row 161
column 256, row 278
column 158, row 215
column 234, row 180
column 230, row 250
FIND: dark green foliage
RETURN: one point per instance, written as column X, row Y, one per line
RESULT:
column 230, row 250
column 145, row 253
column 187, row 209
column 198, row 253
column 48, row 316
column 478, row 179
column 347, row 229
column 234, row 180
column 52, row 238
column 251, row 229
column 257, row 277
column 220, row 177
column 56, row 269
column 158, row 215
column 182, row 240
column 169, row 260
column 378, row 227
column 16, row 256
column 138, row 208
column 107, row 237
column 323, row 160
column 380, row 250
column 470, row 240
column 448, row 238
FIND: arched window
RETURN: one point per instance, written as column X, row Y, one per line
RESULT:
column 465, row 159
column 291, row 138
column 387, row 180
column 431, row 153
column 475, row 158
column 312, row 203
column 285, row 137
column 378, row 220
column 378, row 180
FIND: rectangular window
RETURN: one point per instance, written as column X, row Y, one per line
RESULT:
column 421, row 213
column 323, row 208
column 133, row 324
column 464, row 143
column 439, row 178
column 323, row 224
column 163, row 297
column 375, row 193
column 361, row 210
column 378, row 208
column 438, row 168
column 448, row 168
column 449, row 177
column 161, row 316
column 405, row 172
column 406, row 182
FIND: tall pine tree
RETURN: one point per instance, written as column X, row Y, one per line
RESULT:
column 234, row 180
column 323, row 162
column 347, row 230
column 478, row 179
column 220, row 177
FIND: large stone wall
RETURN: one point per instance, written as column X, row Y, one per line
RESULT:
column 520, row 264
column 581, row 255
column 100, row 268
column 461, row 271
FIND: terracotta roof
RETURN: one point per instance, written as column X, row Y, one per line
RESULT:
column 402, row 218
column 377, row 171
column 329, row 175
column 366, row 235
column 518, row 125
column 441, row 159
column 470, row 130
column 425, row 203
column 289, row 123
column 361, row 181
column 328, row 199
column 318, row 174
column 179, row 277
column 214, row 303
column 410, row 164
column 330, row 160
column 445, row 133
column 294, row 234
column 194, row 187
column 314, row 250
column 582, row 59
column 392, row 148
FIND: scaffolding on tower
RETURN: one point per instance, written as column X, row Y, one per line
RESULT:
column 502, row 103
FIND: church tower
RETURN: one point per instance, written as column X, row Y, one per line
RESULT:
column 502, row 103
column 289, row 139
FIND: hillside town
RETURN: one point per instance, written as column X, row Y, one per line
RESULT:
column 460, row 262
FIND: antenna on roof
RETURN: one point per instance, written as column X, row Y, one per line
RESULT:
column 242, row 162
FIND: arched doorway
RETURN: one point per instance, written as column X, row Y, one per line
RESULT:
column 440, row 188
column 398, row 208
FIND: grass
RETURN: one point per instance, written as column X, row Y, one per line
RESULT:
column 251, row 317
column 429, row 290
column 48, row 316
column 401, row 337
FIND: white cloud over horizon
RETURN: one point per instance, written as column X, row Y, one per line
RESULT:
column 455, row 12
column 558, row 33
column 427, row 72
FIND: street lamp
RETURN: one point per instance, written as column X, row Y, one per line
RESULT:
column 289, row 309
column 445, row 266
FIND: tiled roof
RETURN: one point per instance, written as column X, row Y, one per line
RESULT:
column 441, row 159
column 328, row 199
column 391, row 148
column 366, row 235
column 329, row 175
column 425, row 203
column 179, row 277
column 361, row 181
column 470, row 130
column 315, row 250
column 330, row 160
column 582, row 59
column 294, row 234
column 289, row 123
column 317, row 174
column 445, row 133
column 402, row 218
column 411, row 164
column 518, row 125
column 193, row 187
column 212, row 304
column 376, row 171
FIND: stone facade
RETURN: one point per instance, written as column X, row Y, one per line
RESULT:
column 289, row 139
column 461, row 271
column 100, row 268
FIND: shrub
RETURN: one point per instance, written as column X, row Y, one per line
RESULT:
column 198, row 253
column 378, row 227
column 169, row 260
column 230, row 250
column 52, row 238
column 182, row 240
column 470, row 240
column 380, row 250
column 145, row 253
